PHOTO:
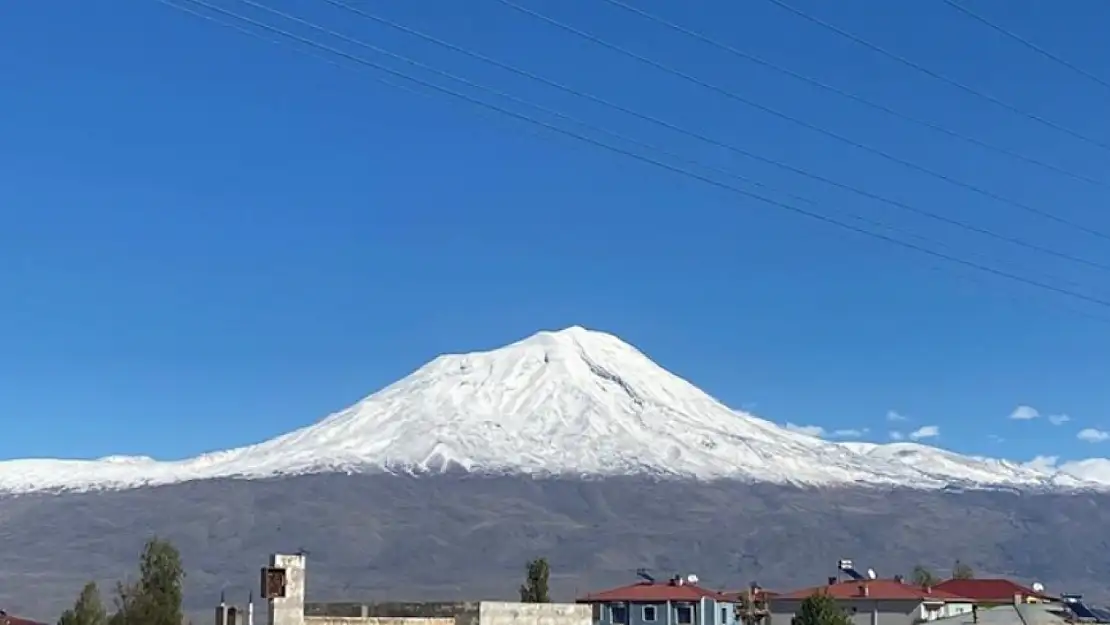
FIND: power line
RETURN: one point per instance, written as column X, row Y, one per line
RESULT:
column 649, row 146
column 852, row 96
column 941, row 77
column 660, row 164
column 665, row 124
column 1025, row 42
column 528, row 103
column 829, row 133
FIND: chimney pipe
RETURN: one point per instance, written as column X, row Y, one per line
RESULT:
column 832, row 580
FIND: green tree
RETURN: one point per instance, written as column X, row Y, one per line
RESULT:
column 156, row 598
column 88, row 610
column 821, row 609
column 921, row 576
column 534, row 588
column 962, row 571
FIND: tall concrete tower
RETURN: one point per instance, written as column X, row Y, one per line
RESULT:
column 283, row 583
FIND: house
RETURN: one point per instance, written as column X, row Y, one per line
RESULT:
column 678, row 601
column 987, row 591
column 876, row 602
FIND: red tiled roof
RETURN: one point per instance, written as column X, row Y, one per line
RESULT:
column 657, row 591
column 6, row 619
column 987, row 589
column 736, row 595
column 877, row 589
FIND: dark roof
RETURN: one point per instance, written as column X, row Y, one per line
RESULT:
column 877, row 589
column 654, row 591
column 985, row 589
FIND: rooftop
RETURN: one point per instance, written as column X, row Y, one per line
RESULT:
column 988, row 589
column 876, row 589
column 655, row 591
column 8, row 619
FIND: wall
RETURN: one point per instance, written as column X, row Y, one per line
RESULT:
column 375, row 620
column 718, row 612
column 512, row 613
column 460, row 612
column 635, row 613
column 706, row 611
column 289, row 610
column 447, row 613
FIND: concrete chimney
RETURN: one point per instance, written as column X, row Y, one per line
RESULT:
column 863, row 590
column 1018, row 598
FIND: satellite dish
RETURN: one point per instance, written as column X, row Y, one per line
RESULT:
column 692, row 579
column 1038, row 587
column 870, row 573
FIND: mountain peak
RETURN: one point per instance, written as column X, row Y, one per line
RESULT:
column 570, row 401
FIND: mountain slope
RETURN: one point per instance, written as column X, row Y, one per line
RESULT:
column 572, row 402
column 459, row 536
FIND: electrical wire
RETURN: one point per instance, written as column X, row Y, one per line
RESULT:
column 518, row 100
column 659, row 164
column 1025, row 42
column 717, row 143
column 829, row 133
column 852, row 96
column 499, row 93
column 938, row 76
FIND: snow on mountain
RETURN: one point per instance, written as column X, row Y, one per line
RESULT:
column 572, row 402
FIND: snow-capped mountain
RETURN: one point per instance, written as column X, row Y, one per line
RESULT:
column 571, row 402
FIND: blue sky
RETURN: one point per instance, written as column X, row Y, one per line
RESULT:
column 207, row 239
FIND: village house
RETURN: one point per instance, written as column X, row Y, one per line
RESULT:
column 876, row 602
column 677, row 601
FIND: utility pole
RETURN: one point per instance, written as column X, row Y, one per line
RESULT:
column 753, row 606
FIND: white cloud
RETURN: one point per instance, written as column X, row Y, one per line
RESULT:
column 894, row 415
column 1058, row 419
column 1093, row 469
column 995, row 438
column 849, row 432
column 896, row 436
column 1092, row 435
column 1045, row 464
column 820, row 432
column 1024, row 413
column 927, row 431
column 808, row 430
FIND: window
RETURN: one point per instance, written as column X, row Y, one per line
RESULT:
column 618, row 614
column 724, row 615
column 684, row 615
column 649, row 613
column 597, row 612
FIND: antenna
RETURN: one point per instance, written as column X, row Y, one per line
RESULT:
column 870, row 573
column 692, row 579
column 1038, row 587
